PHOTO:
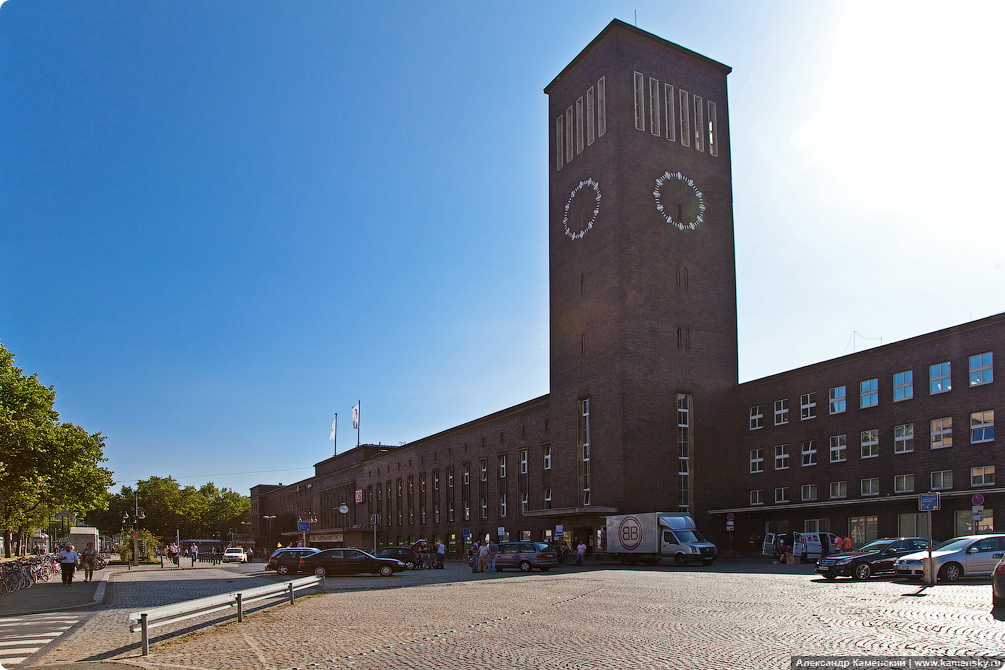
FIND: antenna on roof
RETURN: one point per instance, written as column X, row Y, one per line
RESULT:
column 636, row 18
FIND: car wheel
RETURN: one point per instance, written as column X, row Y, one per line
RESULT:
column 282, row 569
column 679, row 560
column 997, row 602
column 861, row 571
column 950, row 572
column 410, row 565
column 386, row 571
column 320, row 571
column 525, row 566
column 708, row 561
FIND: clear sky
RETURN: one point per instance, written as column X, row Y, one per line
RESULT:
column 223, row 222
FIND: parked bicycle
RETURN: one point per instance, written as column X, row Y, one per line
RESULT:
column 23, row 572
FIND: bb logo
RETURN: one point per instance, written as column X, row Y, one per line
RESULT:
column 630, row 533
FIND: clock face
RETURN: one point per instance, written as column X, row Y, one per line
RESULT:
column 582, row 209
column 679, row 201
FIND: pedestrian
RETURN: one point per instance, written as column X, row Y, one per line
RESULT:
column 441, row 554
column 580, row 552
column 88, row 557
column 67, row 559
column 837, row 543
column 483, row 557
column 473, row 559
column 847, row 543
column 493, row 552
column 424, row 556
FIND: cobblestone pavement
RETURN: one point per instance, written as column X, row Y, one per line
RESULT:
column 734, row 615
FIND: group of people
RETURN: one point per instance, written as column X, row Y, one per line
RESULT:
column 431, row 556
column 483, row 558
column 69, row 560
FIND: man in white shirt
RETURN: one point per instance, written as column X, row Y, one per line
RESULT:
column 67, row 559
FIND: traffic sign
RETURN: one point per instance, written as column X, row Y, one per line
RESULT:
column 730, row 516
column 977, row 499
column 928, row 502
column 303, row 525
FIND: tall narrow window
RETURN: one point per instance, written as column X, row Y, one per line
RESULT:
column 684, row 452
column 559, row 145
column 570, row 148
column 523, row 461
column 640, row 101
column 591, row 125
column 868, row 393
column 699, row 123
column 685, row 118
column 584, row 448
column 501, row 466
column 654, row 107
column 579, row 126
column 546, row 456
column 668, row 105
column 713, row 138
column 601, row 107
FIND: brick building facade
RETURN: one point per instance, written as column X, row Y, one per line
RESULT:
column 645, row 412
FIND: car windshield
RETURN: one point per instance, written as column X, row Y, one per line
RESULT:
column 689, row 536
column 954, row 544
column 877, row 545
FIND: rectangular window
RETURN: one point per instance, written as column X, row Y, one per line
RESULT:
column 559, row 143
column 981, row 369
column 869, row 439
column 807, row 406
column 870, row 486
column 685, row 118
column 524, row 501
column 782, row 457
column 903, row 438
column 654, row 107
column 903, row 385
column 837, row 400
column 982, row 426
column 809, row 492
column 839, row 448
column 668, row 105
column 484, row 504
column 591, row 125
column 939, row 378
column 584, row 448
column 683, row 452
column 467, row 473
column 450, row 510
column 982, row 475
column 782, row 494
column 640, row 101
column 903, row 484
column 579, row 126
column 756, row 417
column 523, row 461
column 868, row 393
column 570, row 148
column 484, row 469
column 942, row 479
column 699, row 123
column 809, row 453
column 863, row 529
column 450, row 477
column 839, row 490
column 781, row 411
column 757, row 497
column 757, row 460
column 547, row 498
column 601, row 107
column 713, row 138
column 942, row 432
column 546, row 456
column 502, row 504
column 501, row 465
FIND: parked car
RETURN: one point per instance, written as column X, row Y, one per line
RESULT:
column 234, row 555
column 406, row 555
column 287, row 559
column 526, row 556
column 969, row 556
column 348, row 562
column 876, row 557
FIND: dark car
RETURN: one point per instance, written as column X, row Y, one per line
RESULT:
column 876, row 557
column 287, row 559
column 998, row 584
column 349, row 562
column 406, row 555
column 526, row 556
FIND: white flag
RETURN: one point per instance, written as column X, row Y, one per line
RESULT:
column 332, row 436
column 355, row 416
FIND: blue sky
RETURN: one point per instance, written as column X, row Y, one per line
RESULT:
column 224, row 222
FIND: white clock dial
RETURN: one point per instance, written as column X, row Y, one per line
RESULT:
column 582, row 209
column 679, row 201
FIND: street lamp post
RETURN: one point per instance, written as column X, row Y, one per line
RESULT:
column 133, row 524
column 268, row 518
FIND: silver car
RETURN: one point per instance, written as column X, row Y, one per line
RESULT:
column 969, row 556
column 526, row 556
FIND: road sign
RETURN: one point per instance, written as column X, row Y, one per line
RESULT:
column 978, row 511
column 730, row 517
column 977, row 499
column 303, row 525
column 466, row 532
column 928, row 502
column 729, row 525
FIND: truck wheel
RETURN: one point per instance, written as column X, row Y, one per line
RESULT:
column 679, row 560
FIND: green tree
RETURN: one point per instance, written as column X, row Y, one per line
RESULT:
column 45, row 466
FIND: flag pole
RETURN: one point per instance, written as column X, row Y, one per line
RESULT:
column 359, row 417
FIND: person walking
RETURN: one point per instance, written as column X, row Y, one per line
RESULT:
column 473, row 559
column 67, row 559
column 483, row 557
column 441, row 554
column 580, row 553
column 493, row 552
column 88, row 557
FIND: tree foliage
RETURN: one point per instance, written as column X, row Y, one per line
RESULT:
column 45, row 466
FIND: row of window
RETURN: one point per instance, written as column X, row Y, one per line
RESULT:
column 982, row 429
column 939, row 381
column 940, row 480
column 589, row 114
column 702, row 112
column 863, row 529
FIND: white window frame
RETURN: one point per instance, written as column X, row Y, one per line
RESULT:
column 903, row 438
column 654, row 106
column 941, row 432
column 869, row 486
column 868, row 393
column 838, row 448
column 523, row 461
column 808, row 406
column 547, row 498
column 903, row 483
column 560, row 142
column 838, row 399
column 781, row 457
column 501, row 464
column 940, row 378
column 781, row 494
column 699, row 123
column 756, row 460
column 941, row 480
column 483, row 466
column 640, row 102
column 903, row 385
column 524, row 501
column 546, row 456
column 685, row 117
column 781, row 411
column 981, row 369
column 808, row 492
column 669, row 102
column 570, row 148
column 756, row 417
column 982, row 475
column 591, row 126
column 502, row 504
column 713, row 137
column 601, row 106
column 869, row 443
column 809, row 453
column 757, row 497
column 982, row 426
column 579, row 126
column 838, row 490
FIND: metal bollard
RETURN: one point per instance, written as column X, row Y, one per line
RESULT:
column 324, row 584
column 290, row 587
column 240, row 608
column 143, row 630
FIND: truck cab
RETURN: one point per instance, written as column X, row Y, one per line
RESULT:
column 680, row 539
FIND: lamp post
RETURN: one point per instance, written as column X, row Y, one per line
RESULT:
column 268, row 518
column 134, row 521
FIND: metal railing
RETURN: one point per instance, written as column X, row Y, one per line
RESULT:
column 161, row 616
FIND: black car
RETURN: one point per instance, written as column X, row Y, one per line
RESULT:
column 406, row 555
column 287, row 559
column 348, row 562
column 870, row 559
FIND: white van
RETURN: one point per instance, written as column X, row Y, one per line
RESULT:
column 808, row 546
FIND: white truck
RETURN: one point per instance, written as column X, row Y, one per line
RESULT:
column 646, row 538
column 81, row 535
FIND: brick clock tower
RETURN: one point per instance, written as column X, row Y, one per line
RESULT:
column 642, row 277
